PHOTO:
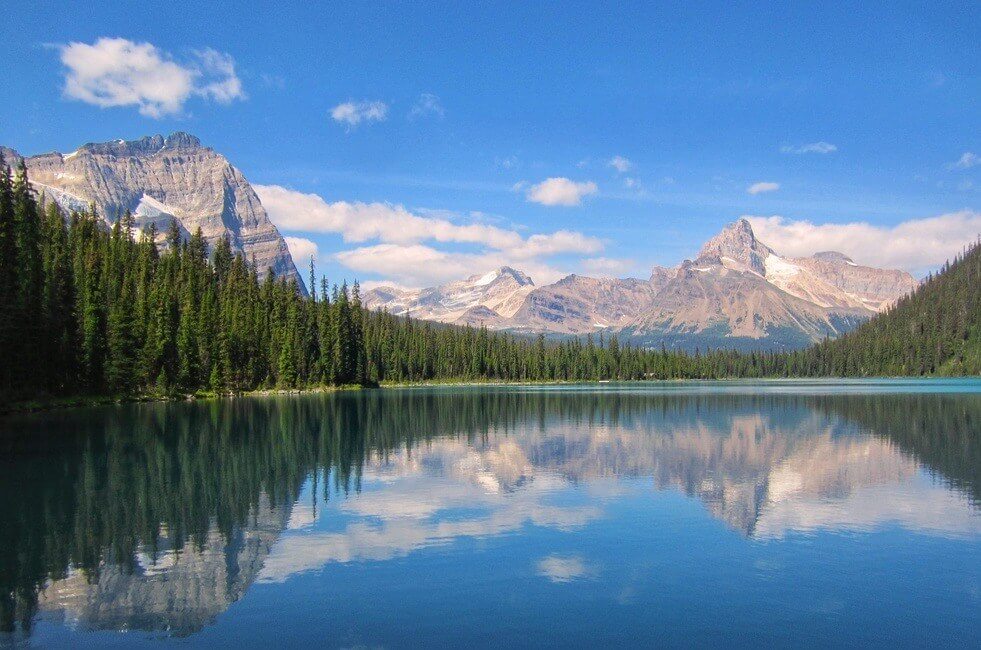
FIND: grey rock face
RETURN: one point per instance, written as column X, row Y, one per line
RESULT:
column 159, row 179
column 578, row 305
column 737, row 247
column 875, row 288
column 740, row 303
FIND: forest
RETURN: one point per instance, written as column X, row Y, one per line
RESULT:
column 91, row 310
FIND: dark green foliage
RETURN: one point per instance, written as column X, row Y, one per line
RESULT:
column 936, row 330
column 86, row 309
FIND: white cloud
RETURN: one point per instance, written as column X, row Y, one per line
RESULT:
column 914, row 245
column 966, row 161
column 759, row 188
column 354, row 113
column 418, row 265
column 218, row 72
column 607, row 266
column 400, row 233
column 560, row 191
column 811, row 147
column 620, row 164
column 118, row 72
column 631, row 183
column 427, row 104
column 301, row 250
column 389, row 223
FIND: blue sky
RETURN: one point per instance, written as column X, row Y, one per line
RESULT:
column 440, row 125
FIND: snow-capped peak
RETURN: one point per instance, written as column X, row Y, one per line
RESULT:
column 486, row 279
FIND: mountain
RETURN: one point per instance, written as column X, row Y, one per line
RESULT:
column 737, row 293
column 488, row 298
column 934, row 330
column 578, row 305
column 160, row 179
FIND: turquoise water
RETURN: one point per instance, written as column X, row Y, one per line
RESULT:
column 785, row 513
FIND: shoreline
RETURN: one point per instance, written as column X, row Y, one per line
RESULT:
column 82, row 401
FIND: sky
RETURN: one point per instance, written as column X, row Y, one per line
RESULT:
column 417, row 143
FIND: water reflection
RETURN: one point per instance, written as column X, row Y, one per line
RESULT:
column 158, row 517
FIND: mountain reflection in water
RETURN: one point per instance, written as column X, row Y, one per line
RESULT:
column 158, row 517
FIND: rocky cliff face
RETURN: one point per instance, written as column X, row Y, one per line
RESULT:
column 578, row 305
column 160, row 179
column 737, row 293
column 875, row 288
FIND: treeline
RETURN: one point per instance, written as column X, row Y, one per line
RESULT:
column 935, row 330
column 86, row 309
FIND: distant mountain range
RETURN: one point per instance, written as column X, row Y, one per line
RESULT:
column 738, row 293
column 160, row 179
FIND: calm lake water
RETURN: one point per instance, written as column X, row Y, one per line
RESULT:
column 681, row 514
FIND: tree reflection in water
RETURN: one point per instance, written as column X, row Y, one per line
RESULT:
column 159, row 516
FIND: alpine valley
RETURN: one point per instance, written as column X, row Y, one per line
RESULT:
column 737, row 294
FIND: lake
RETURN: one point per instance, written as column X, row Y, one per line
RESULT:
column 788, row 513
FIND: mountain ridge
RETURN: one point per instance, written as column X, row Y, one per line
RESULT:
column 160, row 179
column 738, row 292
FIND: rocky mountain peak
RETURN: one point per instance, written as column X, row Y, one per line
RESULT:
column 503, row 273
column 833, row 256
column 160, row 179
column 145, row 146
column 737, row 247
column 181, row 140
column 10, row 157
column 520, row 277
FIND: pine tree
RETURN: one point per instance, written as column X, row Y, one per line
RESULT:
column 8, row 281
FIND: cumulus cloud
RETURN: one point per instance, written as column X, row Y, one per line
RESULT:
column 811, row 147
column 219, row 80
column 759, row 188
column 118, row 72
column 966, row 161
column 362, row 222
column 560, row 191
column 915, row 245
column 418, row 265
column 301, row 250
column 400, row 234
column 620, row 164
column 354, row 113
column 427, row 104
